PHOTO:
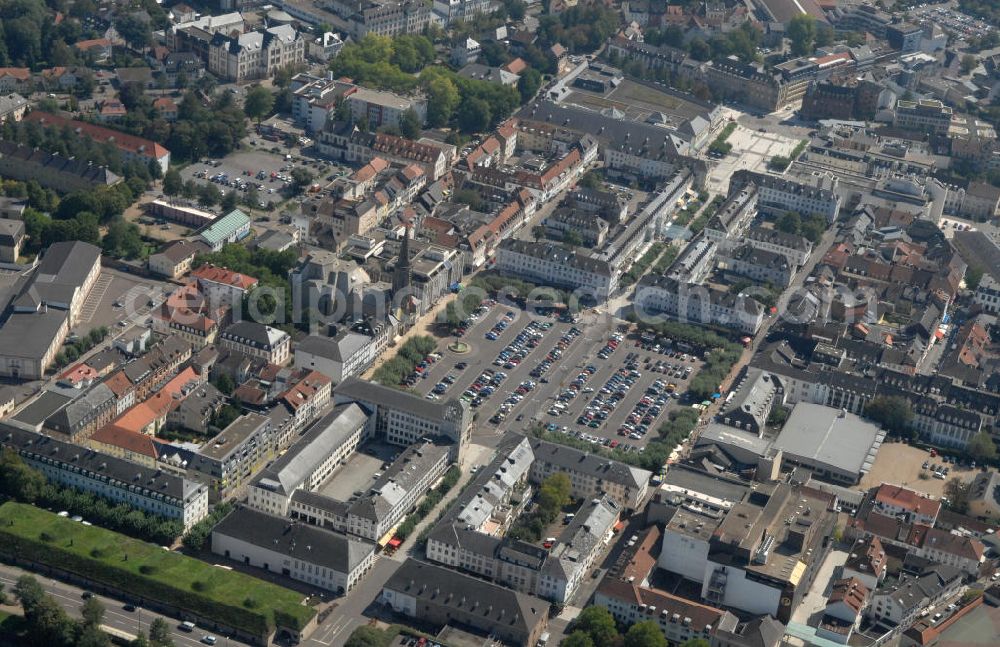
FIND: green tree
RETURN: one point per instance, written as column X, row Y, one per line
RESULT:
column 645, row 634
column 301, row 178
column 474, row 115
column 572, row 237
column 598, row 623
column 801, row 32
column 528, row 84
column 442, row 100
column 122, row 239
column 696, row 642
column 224, row 383
column 981, row 447
column 578, row 639
column 973, row 276
column 19, row 481
column 258, row 103
column 28, row 591
column 209, row 195
column 969, row 63
column 159, row 633
column 409, row 124
column 173, row 184
column 367, row 637
column 92, row 612
column 789, row 222
column 957, row 493
column 92, row 637
column 554, row 493
column 892, row 412
column 229, row 201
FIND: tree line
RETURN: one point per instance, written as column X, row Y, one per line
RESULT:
column 21, row 482
column 411, row 353
column 596, row 627
column 553, row 495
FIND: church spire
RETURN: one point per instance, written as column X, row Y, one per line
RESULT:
column 403, row 272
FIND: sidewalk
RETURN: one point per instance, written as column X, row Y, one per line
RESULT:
column 424, row 326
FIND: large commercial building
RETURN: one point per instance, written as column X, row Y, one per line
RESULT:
column 777, row 195
column 111, row 478
column 925, row 115
column 255, row 54
column 553, row 265
column 759, row 554
column 328, row 560
column 471, row 537
column 257, row 340
column 403, row 418
column 45, row 306
column 19, row 162
column 439, row 596
column 692, row 303
column 130, row 146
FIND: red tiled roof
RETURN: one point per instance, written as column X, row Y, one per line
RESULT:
column 897, row 495
column 122, row 141
column 851, row 591
column 19, row 73
column 128, row 440
column 222, row 275
column 84, row 45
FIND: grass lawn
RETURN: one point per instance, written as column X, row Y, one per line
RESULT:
column 147, row 571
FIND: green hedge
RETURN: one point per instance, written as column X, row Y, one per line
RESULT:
column 147, row 571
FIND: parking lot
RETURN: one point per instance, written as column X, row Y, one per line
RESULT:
column 118, row 297
column 902, row 464
column 582, row 378
column 268, row 172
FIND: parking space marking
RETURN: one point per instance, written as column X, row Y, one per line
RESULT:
column 95, row 297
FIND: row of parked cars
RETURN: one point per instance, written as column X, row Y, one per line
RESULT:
column 554, row 354
column 500, row 326
column 422, row 370
column 527, row 340
column 572, row 390
column 645, row 412
column 485, row 385
column 473, row 317
column 512, row 400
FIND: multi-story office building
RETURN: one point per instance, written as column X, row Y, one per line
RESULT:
column 698, row 304
column 440, row 597
column 760, row 265
column 47, row 305
column 257, row 340
column 111, row 478
column 221, row 286
column 550, row 264
column 235, row 454
column 310, row 460
column 590, row 475
column 776, row 195
column 391, row 18
column 925, row 115
column 402, row 418
column 795, row 248
column 461, row 10
column 381, row 108
column 255, row 54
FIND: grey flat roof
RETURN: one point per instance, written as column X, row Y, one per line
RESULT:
column 713, row 485
column 831, row 437
column 331, row 431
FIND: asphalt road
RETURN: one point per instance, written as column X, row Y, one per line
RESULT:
column 70, row 598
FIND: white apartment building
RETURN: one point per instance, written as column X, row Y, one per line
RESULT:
column 403, row 418
column 461, row 10
column 115, row 479
column 778, row 194
column 795, row 248
column 590, row 475
column 310, row 460
column 256, row 54
column 257, row 340
column 380, row 108
column 925, row 115
column 698, row 304
column 223, row 287
column 554, row 265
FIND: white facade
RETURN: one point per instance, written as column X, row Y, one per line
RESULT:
column 548, row 265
